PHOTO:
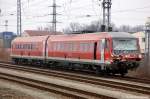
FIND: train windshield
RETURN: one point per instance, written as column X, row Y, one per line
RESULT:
column 125, row 44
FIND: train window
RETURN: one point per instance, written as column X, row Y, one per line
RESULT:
column 59, row 46
column 143, row 39
column 87, row 47
column 84, row 47
column 62, row 46
column 33, row 46
column 106, row 44
column 55, row 47
column 16, row 46
column 19, row 46
column 24, row 46
column 51, row 46
column 69, row 46
column 74, row 48
column 29, row 46
column 81, row 47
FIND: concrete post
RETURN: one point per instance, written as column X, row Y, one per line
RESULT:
column 147, row 47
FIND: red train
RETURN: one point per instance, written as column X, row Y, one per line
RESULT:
column 106, row 52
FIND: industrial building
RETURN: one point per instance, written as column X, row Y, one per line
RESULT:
column 141, row 38
column 6, row 38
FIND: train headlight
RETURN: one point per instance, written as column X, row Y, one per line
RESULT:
column 126, row 56
column 140, row 56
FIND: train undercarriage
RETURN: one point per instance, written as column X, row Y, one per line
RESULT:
column 116, row 67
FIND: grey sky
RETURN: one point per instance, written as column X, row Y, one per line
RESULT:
column 128, row 12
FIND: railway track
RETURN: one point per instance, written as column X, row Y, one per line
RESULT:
column 54, row 88
column 132, row 87
column 126, row 78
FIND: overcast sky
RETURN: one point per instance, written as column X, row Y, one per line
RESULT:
column 35, row 12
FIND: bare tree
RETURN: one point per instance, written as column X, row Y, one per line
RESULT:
column 73, row 27
column 127, row 28
column 47, row 28
column 95, row 26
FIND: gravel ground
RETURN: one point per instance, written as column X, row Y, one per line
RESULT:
column 83, row 86
column 11, row 90
column 7, row 93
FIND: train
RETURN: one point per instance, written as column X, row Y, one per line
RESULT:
column 101, row 52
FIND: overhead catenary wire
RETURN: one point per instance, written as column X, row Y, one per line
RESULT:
column 67, row 13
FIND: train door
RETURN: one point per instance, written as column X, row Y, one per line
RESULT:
column 107, row 49
column 95, row 50
column 102, row 51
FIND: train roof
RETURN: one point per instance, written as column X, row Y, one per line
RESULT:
column 78, row 37
column 120, row 35
column 90, row 36
column 75, row 37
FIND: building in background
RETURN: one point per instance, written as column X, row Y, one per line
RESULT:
column 141, row 38
column 6, row 38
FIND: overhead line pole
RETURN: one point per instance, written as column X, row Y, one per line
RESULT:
column 54, row 14
column 6, row 25
column 19, row 23
column 106, row 4
column 147, row 47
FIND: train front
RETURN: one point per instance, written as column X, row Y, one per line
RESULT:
column 125, row 54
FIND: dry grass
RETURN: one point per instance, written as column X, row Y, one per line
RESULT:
column 143, row 71
column 4, row 54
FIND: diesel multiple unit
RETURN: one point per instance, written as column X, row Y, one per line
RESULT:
column 105, row 52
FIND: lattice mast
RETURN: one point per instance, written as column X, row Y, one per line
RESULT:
column 106, row 4
column 19, row 24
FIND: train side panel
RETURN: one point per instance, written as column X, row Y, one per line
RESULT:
column 79, row 48
column 29, row 47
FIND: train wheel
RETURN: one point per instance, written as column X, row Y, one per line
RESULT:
column 97, row 70
column 122, row 74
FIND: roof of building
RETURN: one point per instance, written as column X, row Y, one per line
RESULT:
column 41, row 33
column 6, row 33
column 30, row 39
column 139, row 34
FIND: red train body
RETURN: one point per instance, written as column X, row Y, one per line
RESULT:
column 103, row 52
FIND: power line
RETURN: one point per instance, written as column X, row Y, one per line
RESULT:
column 135, row 9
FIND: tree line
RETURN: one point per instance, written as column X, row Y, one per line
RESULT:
column 95, row 26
